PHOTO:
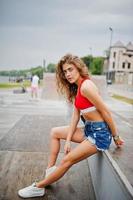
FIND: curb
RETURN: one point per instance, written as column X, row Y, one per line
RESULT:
column 108, row 180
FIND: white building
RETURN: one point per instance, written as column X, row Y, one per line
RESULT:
column 121, row 63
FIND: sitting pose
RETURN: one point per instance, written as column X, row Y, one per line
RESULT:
column 73, row 80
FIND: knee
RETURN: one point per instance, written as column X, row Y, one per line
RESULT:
column 53, row 132
column 66, row 162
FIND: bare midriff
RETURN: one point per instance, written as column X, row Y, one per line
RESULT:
column 93, row 116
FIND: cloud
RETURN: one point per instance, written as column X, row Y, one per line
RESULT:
column 36, row 29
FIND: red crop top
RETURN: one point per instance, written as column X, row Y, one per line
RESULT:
column 82, row 102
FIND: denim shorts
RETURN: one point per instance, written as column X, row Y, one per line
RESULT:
column 99, row 134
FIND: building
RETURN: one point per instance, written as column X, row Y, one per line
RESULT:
column 120, row 65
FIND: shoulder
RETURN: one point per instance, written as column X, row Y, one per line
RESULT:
column 88, row 89
column 88, row 85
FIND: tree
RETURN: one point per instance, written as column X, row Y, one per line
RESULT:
column 51, row 67
column 37, row 71
column 88, row 60
column 94, row 64
column 97, row 66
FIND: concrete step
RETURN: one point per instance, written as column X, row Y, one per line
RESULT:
column 109, row 181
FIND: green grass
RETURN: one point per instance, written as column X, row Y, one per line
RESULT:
column 9, row 85
column 121, row 98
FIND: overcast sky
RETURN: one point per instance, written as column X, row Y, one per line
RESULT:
column 33, row 30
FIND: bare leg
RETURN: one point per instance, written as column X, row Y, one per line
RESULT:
column 82, row 151
column 57, row 134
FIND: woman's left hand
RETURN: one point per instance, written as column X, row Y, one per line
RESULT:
column 67, row 147
column 118, row 141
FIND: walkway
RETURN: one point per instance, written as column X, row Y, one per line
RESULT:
column 24, row 146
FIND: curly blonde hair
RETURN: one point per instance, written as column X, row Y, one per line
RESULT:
column 64, row 87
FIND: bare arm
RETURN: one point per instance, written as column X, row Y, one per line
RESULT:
column 90, row 91
column 73, row 124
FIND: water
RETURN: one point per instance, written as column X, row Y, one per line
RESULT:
column 4, row 79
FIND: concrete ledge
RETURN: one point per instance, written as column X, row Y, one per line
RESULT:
column 108, row 180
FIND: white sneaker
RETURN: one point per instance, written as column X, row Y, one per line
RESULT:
column 31, row 191
column 50, row 171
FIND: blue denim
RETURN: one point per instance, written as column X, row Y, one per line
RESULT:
column 98, row 133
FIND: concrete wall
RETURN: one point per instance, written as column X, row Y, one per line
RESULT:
column 108, row 180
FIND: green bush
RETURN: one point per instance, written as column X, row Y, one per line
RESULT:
column 94, row 64
column 51, row 68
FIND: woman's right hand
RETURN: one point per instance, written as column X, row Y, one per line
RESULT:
column 118, row 141
column 67, row 147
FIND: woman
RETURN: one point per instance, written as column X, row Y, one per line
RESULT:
column 73, row 80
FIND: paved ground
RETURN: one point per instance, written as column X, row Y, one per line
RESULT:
column 24, row 141
column 24, row 145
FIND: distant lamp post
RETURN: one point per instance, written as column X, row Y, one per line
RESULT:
column 111, row 35
column 90, row 51
column 44, row 62
column 44, row 68
column 109, row 75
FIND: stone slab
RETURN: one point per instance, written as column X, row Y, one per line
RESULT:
column 19, row 169
column 30, row 133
